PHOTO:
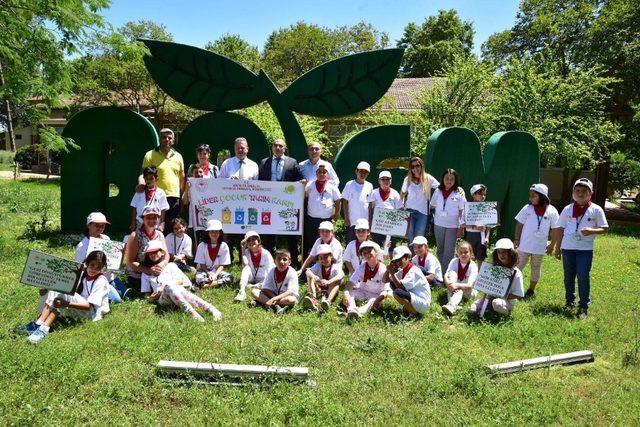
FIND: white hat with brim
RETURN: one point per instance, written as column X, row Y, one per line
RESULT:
column 585, row 183
column 364, row 166
column 399, row 252
column 477, row 188
column 214, row 225
column 369, row 244
column 250, row 234
column 98, row 218
column 326, row 225
column 361, row 224
column 504, row 243
column 420, row 240
column 323, row 249
column 384, row 174
column 150, row 210
column 540, row 189
column 166, row 130
column 154, row 246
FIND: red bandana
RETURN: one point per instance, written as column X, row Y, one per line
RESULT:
column 421, row 261
column 370, row 273
column 87, row 278
column 358, row 243
column 384, row 195
column 149, row 193
column 579, row 211
column 406, row 269
column 540, row 210
column 446, row 193
column 213, row 252
column 325, row 273
column 150, row 236
column 462, row 271
column 280, row 275
column 255, row 258
column 205, row 169
column 320, row 186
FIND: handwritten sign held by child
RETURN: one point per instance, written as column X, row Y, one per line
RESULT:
column 390, row 222
column 493, row 280
column 111, row 248
column 481, row 214
column 46, row 271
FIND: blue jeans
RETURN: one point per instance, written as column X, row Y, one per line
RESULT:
column 116, row 290
column 417, row 224
column 577, row 263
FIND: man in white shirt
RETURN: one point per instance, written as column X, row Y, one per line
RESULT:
column 309, row 167
column 240, row 166
column 355, row 200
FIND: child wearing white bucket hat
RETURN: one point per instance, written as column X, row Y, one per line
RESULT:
column 323, row 280
column 326, row 237
column 212, row 256
column 256, row 260
column 410, row 287
column 351, row 257
column 426, row 261
column 533, row 224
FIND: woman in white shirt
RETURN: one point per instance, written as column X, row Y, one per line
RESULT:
column 415, row 193
column 448, row 205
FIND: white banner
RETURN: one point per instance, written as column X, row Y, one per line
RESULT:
column 46, row 271
column 390, row 222
column 267, row 207
column 481, row 213
column 493, row 280
column 111, row 248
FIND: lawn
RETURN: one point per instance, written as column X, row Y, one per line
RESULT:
column 382, row 370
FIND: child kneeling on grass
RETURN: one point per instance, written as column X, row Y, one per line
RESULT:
column 168, row 288
column 90, row 301
column 257, row 263
column 280, row 288
column 410, row 287
column 504, row 255
column 323, row 279
column 459, row 278
column 366, row 283
column 212, row 256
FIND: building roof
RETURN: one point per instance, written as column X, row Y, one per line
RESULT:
column 404, row 91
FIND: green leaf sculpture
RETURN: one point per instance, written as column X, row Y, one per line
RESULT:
column 201, row 79
column 345, row 85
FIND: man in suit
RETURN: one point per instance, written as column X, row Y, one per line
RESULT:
column 280, row 167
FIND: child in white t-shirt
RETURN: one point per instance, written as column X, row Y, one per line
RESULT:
column 504, row 255
column 256, row 260
column 212, row 256
column 426, row 261
column 578, row 226
column 410, row 287
column 533, row 223
column 90, row 300
column 477, row 235
column 355, row 200
column 325, row 231
column 323, row 279
column 280, row 289
column 168, row 288
column 448, row 204
column 179, row 245
column 459, row 278
column 152, row 195
column 384, row 197
column 351, row 255
column 366, row 284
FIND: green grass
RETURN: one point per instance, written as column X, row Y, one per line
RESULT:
column 383, row 370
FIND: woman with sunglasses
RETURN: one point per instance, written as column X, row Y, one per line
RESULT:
column 416, row 194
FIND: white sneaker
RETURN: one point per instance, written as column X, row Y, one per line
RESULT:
column 324, row 304
column 353, row 314
column 448, row 310
column 309, row 304
column 242, row 296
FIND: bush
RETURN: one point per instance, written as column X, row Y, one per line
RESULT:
column 625, row 172
column 6, row 157
column 27, row 155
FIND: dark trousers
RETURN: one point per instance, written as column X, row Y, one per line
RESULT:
column 172, row 213
column 577, row 264
column 311, row 225
column 270, row 242
column 349, row 234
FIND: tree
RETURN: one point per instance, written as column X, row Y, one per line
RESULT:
column 36, row 36
column 435, row 42
column 113, row 70
column 235, row 47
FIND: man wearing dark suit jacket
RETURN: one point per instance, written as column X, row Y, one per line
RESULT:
column 279, row 167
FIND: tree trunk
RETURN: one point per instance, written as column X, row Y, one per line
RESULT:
column 10, row 133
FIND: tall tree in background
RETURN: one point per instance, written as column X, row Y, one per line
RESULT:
column 35, row 37
column 435, row 42
column 235, row 47
column 113, row 71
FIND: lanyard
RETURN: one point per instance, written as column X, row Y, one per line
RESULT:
column 279, row 285
column 579, row 220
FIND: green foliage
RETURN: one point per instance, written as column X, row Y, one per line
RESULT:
column 235, row 47
column 6, row 157
column 435, row 42
column 27, row 155
column 624, row 173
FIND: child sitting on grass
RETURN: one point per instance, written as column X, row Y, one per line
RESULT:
column 326, row 237
column 179, row 245
column 323, row 279
column 212, row 256
column 478, row 236
column 410, row 287
column 426, row 261
column 89, row 301
column 459, row 278
column 280, row 288
column 168, row 288
column 257, row 263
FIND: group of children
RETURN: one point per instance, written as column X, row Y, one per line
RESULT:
column 164, row 263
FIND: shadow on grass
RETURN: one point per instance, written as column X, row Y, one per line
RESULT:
column 627, row 231
column 51, row 236
column 490, row 317
column 546, row 309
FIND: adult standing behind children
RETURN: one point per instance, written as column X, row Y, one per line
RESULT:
column 416, row 194
column 171, row 176
column 309, row 167
column 280, row 168
column 355, row 200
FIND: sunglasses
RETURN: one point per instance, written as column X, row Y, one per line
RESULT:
column 416, row 166
column 314, row 148
column 362, row 171
column 385, row 179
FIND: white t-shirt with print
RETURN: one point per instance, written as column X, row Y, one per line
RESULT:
column 416, row 198
column 352, row 255
column 170, row 275
column 593, row 217
column 373, row 285
column 336, row 270
column 358, row 197
column 336, row 249
column 448, row 213
column 415, row 282
column 179, row 245
column 321, row 205
column 202, row 256
column 290, row 282
column 81, row 253
column 139, row 202
column 96, row 293
column 535, row 229
column 392, row 202
column 469, row 277
column 266, row 264
column 431, row 266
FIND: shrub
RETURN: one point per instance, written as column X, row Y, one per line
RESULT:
column 27, row 155
column 625, row 172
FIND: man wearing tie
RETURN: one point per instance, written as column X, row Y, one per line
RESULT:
column 280, row 167
column 238, row 167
